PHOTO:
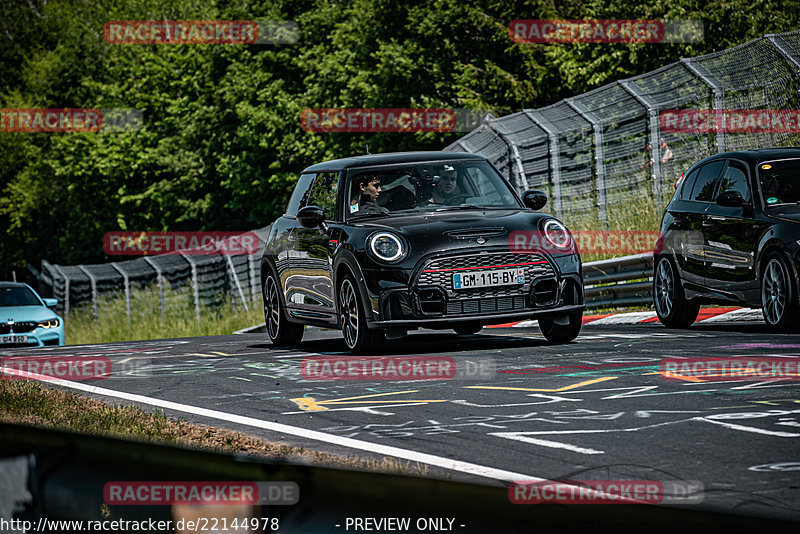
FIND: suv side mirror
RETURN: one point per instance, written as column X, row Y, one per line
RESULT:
column 311, row 217
column 534, row 199
column 730, row 199
column 50, row 303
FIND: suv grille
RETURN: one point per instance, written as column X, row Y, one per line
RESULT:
column 18, row 328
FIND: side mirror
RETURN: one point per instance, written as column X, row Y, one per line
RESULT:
column 534, row 199
column 311, row 217
column 50, row 303
column 730, row 199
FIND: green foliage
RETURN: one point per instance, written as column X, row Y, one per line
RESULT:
column 222, row 146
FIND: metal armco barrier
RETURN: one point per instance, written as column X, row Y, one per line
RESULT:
column 618, row 282
column 56, row 475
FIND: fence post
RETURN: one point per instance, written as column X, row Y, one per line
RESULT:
column 719, row 97
column 127, row 289
column 236, row 279
column 66, row 288
column 160, row 282
column 93, row 281
column 195, row 284
column 514, row 155
column 555, row 158
column 784, row 51
column 655, row 133
column 255, row 281
column 599, row 155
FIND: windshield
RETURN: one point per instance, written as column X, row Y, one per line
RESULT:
column 17, row 296
column 780, row 182
column 422, row 187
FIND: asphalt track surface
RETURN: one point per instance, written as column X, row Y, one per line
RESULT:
column 596, row 408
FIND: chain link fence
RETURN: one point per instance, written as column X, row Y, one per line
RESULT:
column 596, row 152
column 153, row 285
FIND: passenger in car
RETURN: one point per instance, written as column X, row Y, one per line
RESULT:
column 364, row 200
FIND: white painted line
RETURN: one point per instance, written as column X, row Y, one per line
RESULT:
column 414, row 456
column 748, row 428
column 520, row 436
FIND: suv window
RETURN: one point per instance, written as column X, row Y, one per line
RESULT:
column 300, row 192
column 323, row 194
column 706, row 181
column 688, row 183
column 735, row 179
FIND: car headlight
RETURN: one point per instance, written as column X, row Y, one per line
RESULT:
column 557, row 235
column 50, row 323
column 386, row 246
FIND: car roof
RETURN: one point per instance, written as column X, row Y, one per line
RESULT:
column 5, row 285
column 369, row 160
column 757, row 155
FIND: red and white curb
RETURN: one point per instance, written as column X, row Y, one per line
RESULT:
column 707, row 315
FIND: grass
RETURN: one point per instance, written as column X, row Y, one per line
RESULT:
column 30, row 403
column 146, row 323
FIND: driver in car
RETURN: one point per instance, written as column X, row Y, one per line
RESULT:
column 445, row 188
column 366, row 189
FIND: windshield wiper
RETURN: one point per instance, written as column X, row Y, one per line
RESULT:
column 463, row 207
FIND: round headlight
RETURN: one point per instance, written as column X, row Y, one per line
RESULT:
column 386, row 246
column 557, row 234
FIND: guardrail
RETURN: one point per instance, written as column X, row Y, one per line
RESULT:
column 619, row 281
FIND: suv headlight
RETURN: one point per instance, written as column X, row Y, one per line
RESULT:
column 557, row 235
column 386, row 246
column 50, row 323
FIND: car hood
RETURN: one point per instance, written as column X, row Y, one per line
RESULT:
column 494, row 226
column 25, row 313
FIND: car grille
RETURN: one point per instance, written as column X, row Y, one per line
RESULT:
column 438, row 272
column 18, row 328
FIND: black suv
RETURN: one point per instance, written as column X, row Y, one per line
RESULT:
column 731, row 234
column 377, row 245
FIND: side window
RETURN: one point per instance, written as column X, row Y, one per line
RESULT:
column 688, row 184
column 706, row 182
column 300, row 192
column 735, row 179
column 323, row 193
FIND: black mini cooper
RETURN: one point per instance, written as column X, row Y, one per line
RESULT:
column 731, row 234
column 377, row 245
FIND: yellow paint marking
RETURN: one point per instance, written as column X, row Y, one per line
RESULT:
column 679, row 376
column 221, row 353
column 565, row 388
column 309, row 404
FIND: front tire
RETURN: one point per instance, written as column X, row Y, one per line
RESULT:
column 281, row 332
column 564, row 333
column 779, row 302
column 357, row 337
column 672, row 307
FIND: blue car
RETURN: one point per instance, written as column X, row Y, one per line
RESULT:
column 26, row 319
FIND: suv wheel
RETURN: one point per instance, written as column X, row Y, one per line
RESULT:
column 357, row 336
column 672, row 307
column 279, row 329
column 779, row 296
